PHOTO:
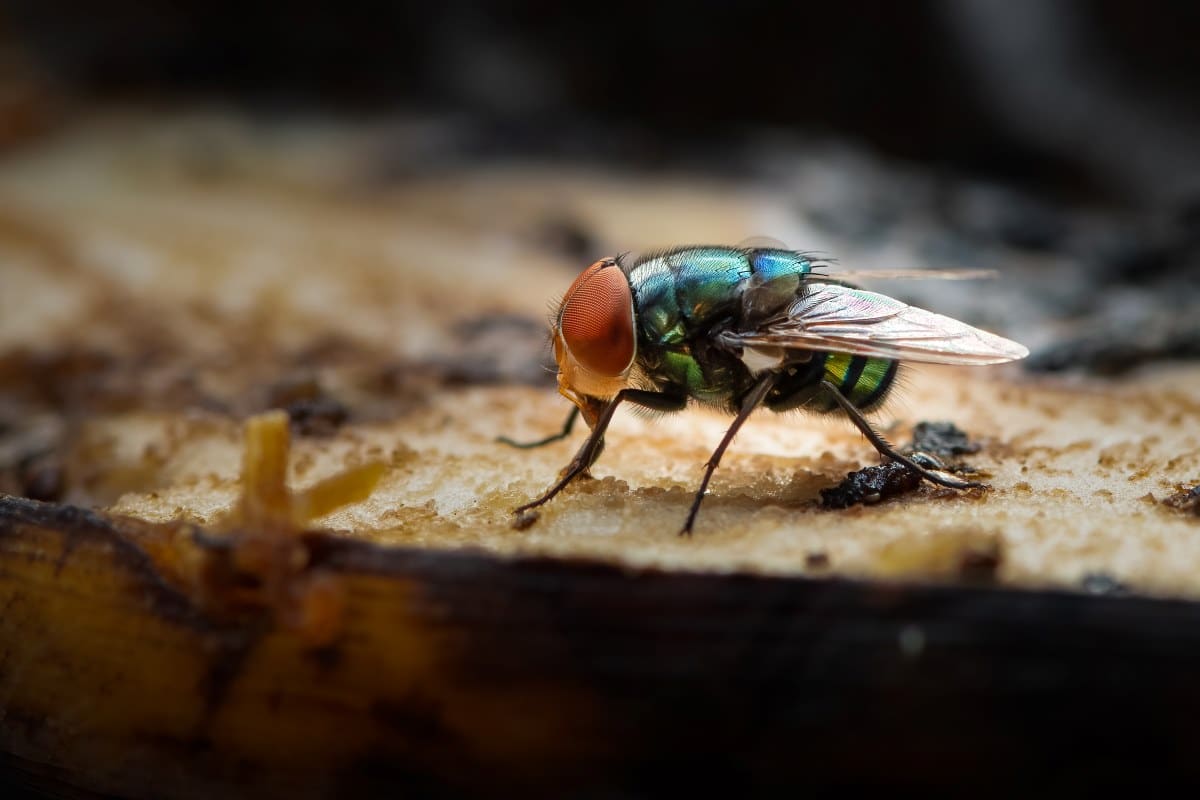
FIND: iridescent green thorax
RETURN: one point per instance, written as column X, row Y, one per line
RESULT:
column 683, row 296
column 680, row 292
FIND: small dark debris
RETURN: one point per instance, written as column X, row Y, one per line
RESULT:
column 1185, row 500
column 942, row 439
column 871, row 485
column 525, row 520
column 817, row 560
column 875, row 484
column 1102, row 583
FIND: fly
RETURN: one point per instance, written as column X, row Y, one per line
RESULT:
column 738, row 328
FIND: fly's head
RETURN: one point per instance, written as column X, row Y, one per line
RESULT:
column 594, row 337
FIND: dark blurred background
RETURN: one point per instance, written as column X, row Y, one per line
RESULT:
column 1092, row 101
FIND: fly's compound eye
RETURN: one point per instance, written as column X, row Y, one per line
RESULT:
column 596, row 320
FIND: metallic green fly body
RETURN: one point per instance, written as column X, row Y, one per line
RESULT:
column 737, row 328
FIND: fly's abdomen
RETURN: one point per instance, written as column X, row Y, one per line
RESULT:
column 865, row 381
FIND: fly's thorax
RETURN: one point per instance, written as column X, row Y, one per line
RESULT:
column 679, row 294
column 685, row 298
column 659, row 319
column 708, row 284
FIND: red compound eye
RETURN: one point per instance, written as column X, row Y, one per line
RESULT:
column 596, row 320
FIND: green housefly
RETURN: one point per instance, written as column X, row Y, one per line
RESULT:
column 736, row 328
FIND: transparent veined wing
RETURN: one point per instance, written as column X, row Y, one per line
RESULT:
column 849, row 320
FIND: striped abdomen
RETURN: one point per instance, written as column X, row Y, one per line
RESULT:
column 864, row 380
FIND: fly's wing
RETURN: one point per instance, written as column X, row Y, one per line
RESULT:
column 848, row 320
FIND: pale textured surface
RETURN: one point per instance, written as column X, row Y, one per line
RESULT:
column 213, row 257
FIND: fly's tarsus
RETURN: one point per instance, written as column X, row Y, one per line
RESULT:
column 885, row 449
column 567, row 427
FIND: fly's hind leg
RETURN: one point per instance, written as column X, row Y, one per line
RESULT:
column 881, row 444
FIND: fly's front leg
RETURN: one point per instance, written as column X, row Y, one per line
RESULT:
column 587, row 454
column 591, row 448
column 881, row 444
column 567, row 427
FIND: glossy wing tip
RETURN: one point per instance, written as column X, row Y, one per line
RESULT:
column 998, row 350
column 1018, row 351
